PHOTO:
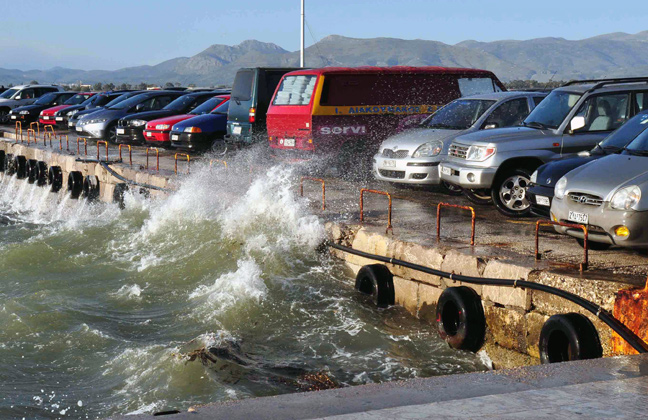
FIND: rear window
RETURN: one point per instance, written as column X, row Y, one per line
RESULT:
column 295, row 90
column 477, row 86
column 242, row 89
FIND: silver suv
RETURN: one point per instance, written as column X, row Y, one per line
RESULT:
column 413, row 156
column 22, row 95
column 497, row 164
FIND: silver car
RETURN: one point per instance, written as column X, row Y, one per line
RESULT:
column 609, row 196
column 413, row 156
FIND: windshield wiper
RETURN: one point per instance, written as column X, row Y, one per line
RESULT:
column 535, row 124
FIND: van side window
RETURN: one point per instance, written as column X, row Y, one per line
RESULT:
column 475, row 86
column 295, row 90
column 27, row 94
column 242, row 89
column 604, row 112
column 641, row 101
column 508, row 114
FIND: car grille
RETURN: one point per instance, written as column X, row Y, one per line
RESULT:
column 586, row 199
column 392, row 174
column 397, row 154
column 458, row 151
column 121, row 123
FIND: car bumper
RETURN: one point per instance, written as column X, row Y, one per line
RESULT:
column 97, row 131
column 471, row 177
column 538, row 196
column 192, row 141
column 602, row 222
column 127, row 135
column 239, row 132
column 157, row 138
column 406, row 171
column 22, row 118
column 48, row 121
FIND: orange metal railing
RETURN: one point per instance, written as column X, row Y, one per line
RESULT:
column 455, row 206
column 37, row 127
column 223, row 162
column 29, row 134
column 176, row 161
column 51, row 127
column 389, row 210
column 67, row 142
column 100, row 142
column 19, row 127
column 583, row 265
column 157, row 158
column 308, row 178
column 85, row 145
column 130, row 153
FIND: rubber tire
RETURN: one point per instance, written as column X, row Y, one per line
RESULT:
column 111, row 133
column 567, row 337
column 10, row 164
column 446, row 188
column 20, row 165
column 41, row 173
column 595, row 246
column 118, row 194
column 495, row 193
column 460, row 318
column 470, row 195
column 91, row 187
column 4, row 116
column 31, row 168
column 3, row 161
column 376, row 281
column 55, row 178
column 75, row 184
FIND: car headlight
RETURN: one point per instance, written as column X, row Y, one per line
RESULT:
column 24, row 112
column 534, row 177
column 136, row 123
column 559, row 190
column 162, row 127
column 430, row 149
column 97, row 121
column 626, row 198
column 192, row 130
column 480, row 153
column 69, row 114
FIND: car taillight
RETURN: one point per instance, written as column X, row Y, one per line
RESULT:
column 252, row 115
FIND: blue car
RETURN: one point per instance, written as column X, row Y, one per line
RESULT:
column 199, row 133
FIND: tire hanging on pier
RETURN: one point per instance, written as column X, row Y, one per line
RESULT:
column 3, row 161
column 460, row 318
column 55, row 178
column 567, row 337
column 10, row 164
column 31, row 168
column 75, row 184
column 20, row 166
column 118, row 194
column 41, row 173
column 376, row 281
column 91, row 187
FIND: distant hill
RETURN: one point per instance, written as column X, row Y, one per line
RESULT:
column 615, row 54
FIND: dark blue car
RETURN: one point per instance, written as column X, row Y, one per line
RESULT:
column 199, row 133
column 541, row 189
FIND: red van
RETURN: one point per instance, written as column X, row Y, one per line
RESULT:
column 335, row 108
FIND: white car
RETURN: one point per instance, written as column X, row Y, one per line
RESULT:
column 22, row 95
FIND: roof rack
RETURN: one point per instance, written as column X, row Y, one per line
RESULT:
column 610, row 81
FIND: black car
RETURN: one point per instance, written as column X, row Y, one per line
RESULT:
column 62, row 116
column 130, row 129
column 111, row 98
column 30, row 113
column 541, row 189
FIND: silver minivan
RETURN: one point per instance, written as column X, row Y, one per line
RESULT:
column 22, row 95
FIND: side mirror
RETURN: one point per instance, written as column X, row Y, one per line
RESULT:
column 491, row 126
column 139, row 107
column 18, row 98
column 576, row 123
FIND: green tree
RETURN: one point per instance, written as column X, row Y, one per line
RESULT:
column 97, row 86
column 168, row 85
column 109, row 86
column 142, row 86
column 192, row 85
column 178, row 84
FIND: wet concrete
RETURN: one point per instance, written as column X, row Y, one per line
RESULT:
column 605, row 388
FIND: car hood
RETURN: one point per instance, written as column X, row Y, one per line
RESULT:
column 604, row 176
column 108, row 113
column 168, row 120
column 88, row 111
column 207, row 123
column 52, row 110
column 415, row 137
column 550, row 173
column 148, row 115
column 503, row 135
column 69, row 108
column 26, row 108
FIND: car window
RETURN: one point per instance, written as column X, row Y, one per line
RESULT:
column 147, row 105
column 27, row 94
column 161, row 101
column 641, row 101
column 553, row 109
column 476, row 85
column 222, row 109
column 508, row 114
column 459, row 114
column 242, row 89
column 604, row 112
column 537, row 100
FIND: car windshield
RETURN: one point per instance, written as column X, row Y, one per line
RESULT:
column 624, row 134
column 181, row 103
column 121, row 98
column 46, row 99
column 130, row 102
column 8, row 93
column 207, row 106
column 459, row 114
column 76, row 100
column 553, row 109
column 90, row 100
column 222, row 109
column 640, row 144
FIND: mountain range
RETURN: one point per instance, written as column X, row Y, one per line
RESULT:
column 615, row 54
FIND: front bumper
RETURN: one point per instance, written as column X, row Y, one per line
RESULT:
column 470, row 177
column 157, row 137
column 47, row 120
column 126, row 135
column 96, row 130
column 541, row 208
column 22, row 118
column 602, row 222
column 239, row 132
column 407, row 170
column 191, row 141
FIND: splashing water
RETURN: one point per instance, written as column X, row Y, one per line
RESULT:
column 100, row 305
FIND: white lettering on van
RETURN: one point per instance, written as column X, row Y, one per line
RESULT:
column 349, row 130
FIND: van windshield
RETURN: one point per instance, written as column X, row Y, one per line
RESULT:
column 242, row 89
column 460, row 114
column 624, row 134
column 553, row 109
column 295, row 90
column 8, row 93
column 76, row 99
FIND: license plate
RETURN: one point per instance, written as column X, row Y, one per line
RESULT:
column 59, row 118
column 236, row 130
column 582, row 218
column 13, row 117
column 46, row 118
column 120, row 131
column 79, row 129
column 289, row 142
column 175, row 137
column 446, row 170
column 389, row 163
column 148, row 133
column 542, row 200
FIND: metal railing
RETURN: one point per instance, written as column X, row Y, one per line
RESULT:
column 100, row 142
column 67, row 142
column 223, row 162
column 130, row 153
column 157, row 158
column 51, row 127
column 85, row 145
column 308, row 178
column 175, row 158
column 455, row 206
column 389, row 210
column 538, row 256
column 29, row 134
column 19, row 127
column 37, row 126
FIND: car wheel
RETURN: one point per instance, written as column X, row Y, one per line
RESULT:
column 479, row 197
column 451, row 189
column 509, row 193
column 596, row 246
column 111, row 134
column 4, row 116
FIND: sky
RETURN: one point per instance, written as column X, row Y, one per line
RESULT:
column 112, row 34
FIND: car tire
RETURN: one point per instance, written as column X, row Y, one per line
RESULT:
column 479, row 197
column 450, row 189
column 596, row 246
column 111, row 134
column 4, row 116
column 509, row 192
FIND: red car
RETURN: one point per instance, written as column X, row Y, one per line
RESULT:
column 47, row 115
column 157, row 131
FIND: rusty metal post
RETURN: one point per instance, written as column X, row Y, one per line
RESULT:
column 19, row 127
column 455, row 206
column 29, row 133
column 211, row 162
column 85, row 145
column 308, row 178
column 157, row 156
column 389, row 210
column 538, row 256
column 176, row 161
column 51, row 127
column 104, row 143
column 130, row 153
column 37, row 127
